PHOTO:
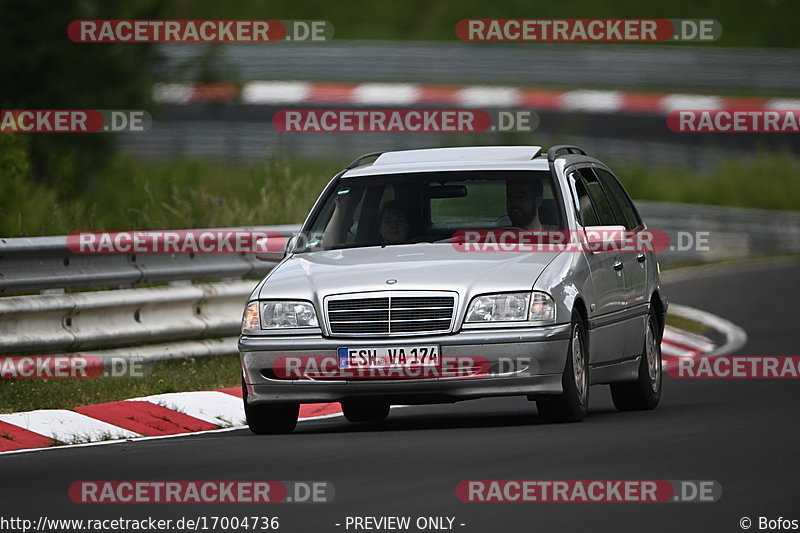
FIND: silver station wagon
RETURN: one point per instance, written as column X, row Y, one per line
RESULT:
column 397, row 290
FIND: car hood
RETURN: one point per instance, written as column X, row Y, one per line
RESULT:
column 423, row 266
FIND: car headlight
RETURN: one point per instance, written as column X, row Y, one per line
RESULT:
column 512, row 307
column 278, row 315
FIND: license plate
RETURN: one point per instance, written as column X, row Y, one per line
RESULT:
column 389, row 357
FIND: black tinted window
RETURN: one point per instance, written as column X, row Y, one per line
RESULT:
column 411, row 208
column 602, row 206
column 620, row 198
column 585, row 210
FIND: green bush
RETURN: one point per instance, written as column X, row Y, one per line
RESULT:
column 190, row 193
column 767, row 181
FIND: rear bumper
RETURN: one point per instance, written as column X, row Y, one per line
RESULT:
column 522, row 362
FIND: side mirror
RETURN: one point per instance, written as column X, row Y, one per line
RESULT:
column 274, row 249
column 605, row 238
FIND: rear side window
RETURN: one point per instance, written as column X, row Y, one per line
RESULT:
column 602, row 206
column 620, row 198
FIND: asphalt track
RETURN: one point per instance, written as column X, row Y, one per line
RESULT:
column 742, row 433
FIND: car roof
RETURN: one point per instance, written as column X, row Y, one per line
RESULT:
column 458, row 158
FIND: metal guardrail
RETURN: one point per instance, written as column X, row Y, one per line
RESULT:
column 186, row 319
column 732, row 232
column 46, row 264
column 118, row 318
column 192, row 320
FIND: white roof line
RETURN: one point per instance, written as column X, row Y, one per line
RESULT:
column 459, row 154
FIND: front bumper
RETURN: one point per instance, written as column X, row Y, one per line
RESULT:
column 526, row 361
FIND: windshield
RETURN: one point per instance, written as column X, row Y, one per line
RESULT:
column 401, row 209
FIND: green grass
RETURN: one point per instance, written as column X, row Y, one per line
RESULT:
column 206, row 373
column 190, row 193
column 688, row 325
column 767, row 181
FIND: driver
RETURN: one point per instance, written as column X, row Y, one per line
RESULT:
column 523, row 200
column 394, row 226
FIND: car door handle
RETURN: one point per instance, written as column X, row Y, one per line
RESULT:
column 641, row 258
column 618, row 265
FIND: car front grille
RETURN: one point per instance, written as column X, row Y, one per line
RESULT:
column 390, row 313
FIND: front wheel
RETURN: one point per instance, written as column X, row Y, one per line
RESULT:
column 645, row 392
column 270, row 419
column 571, row 404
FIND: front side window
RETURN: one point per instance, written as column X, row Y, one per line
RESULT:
column 606, row 215
column 586, row 213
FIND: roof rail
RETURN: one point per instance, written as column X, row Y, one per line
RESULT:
column 551, row 153
column 357, row 161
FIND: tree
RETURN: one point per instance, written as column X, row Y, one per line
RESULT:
column 43, row 69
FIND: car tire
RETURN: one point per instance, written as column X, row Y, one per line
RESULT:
column 572, row 403
column 270, row 419
column 645, row 392
column 365, row 410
